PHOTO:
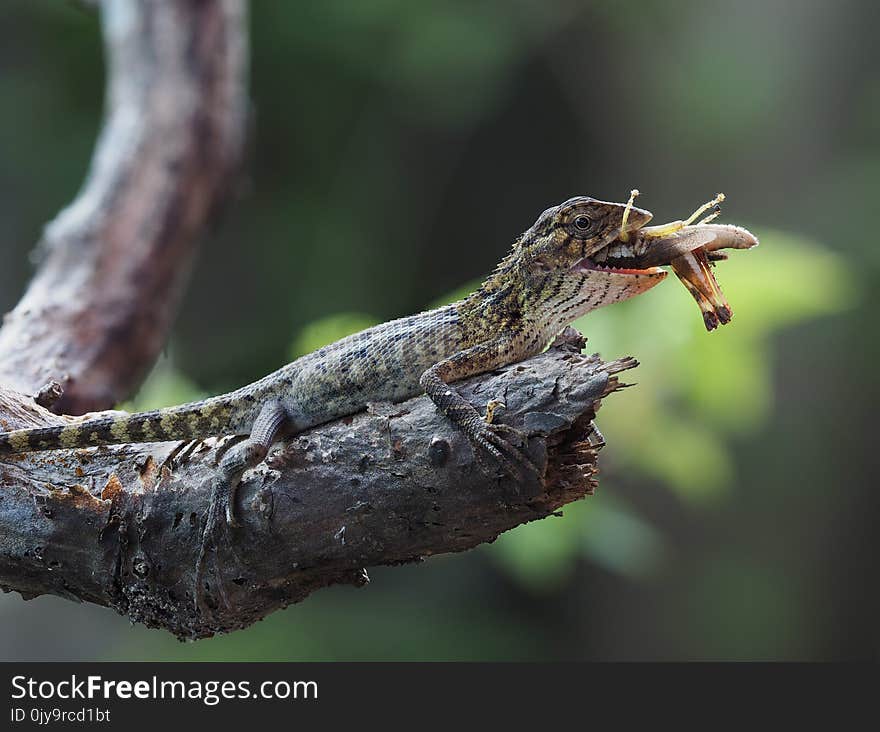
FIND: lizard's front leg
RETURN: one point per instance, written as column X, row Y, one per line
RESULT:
column 266, row 428
column 503, row 442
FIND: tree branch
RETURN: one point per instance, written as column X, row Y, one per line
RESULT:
column 97, row 313
column 120, row 526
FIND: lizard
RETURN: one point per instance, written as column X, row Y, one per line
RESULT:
column 550, row 277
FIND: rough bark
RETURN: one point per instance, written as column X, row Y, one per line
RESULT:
column 120, row 526
column 114, row 262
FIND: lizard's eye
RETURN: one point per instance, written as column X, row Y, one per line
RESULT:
column 583, row 224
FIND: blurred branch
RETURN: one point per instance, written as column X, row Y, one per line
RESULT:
column 119, row 526
column 115, row 261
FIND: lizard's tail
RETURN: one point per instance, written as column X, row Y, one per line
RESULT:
column 189, row 421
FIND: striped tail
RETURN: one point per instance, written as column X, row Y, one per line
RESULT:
column 190, row 421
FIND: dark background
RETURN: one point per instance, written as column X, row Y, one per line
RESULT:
column 397, row 149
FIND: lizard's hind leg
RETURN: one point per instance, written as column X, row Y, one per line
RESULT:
column 268, row 425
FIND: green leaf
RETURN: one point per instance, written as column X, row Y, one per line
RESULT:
column 542, row 554
column 616, row 538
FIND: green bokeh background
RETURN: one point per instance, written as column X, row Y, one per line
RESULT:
column 398, row 148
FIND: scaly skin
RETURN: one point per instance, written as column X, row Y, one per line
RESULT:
column 544, row 283
column 535, row 291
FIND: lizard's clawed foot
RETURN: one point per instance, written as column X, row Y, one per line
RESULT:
column 508, row 446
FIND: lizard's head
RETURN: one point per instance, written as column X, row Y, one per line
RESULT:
column 556, row 256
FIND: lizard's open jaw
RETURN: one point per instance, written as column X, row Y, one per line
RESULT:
column 587, row 264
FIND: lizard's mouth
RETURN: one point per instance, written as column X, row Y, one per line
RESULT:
column 643, row 252
column 689, row 250
column 618, row 266
column 621, row 257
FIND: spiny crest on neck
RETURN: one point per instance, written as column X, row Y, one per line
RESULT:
column 508, row 269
